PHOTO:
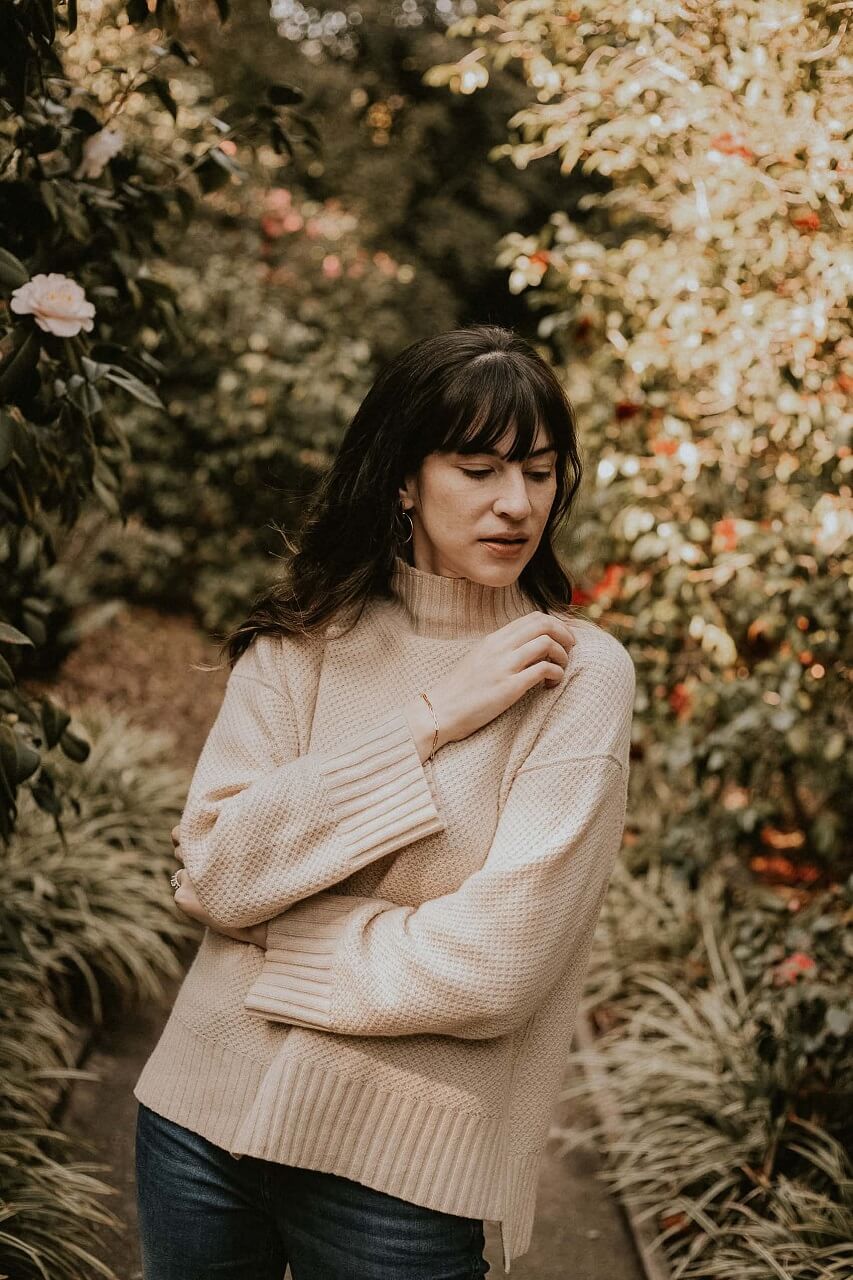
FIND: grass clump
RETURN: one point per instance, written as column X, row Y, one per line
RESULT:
column 86, row 922
column 729, row 1067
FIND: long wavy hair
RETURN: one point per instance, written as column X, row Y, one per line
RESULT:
column 459, row 392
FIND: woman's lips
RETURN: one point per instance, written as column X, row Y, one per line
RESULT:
column 503, row 548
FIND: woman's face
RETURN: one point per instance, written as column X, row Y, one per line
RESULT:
column 458, row 501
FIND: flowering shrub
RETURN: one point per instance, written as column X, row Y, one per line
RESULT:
column 105, row 142
column 696, row 303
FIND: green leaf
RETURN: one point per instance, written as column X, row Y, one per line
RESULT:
column 44, row 22
column 159, row 88
column 85, row 121
column 7, row 675
column 280, row 140
column 308, row 125
column 11, row 635
column 44, row 794
column 77, row 749
column 54, row 722
column 13, row 273
column 8, row 755
column 7, row 439
column 186, row 55
column 211, row 176
column 84, row 396
column 134, row 387
column 21, row 363
column 36, row 627
column 284, row 95
column 28, row 760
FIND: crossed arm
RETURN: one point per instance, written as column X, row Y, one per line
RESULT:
column 187, row 901
column 472, row 963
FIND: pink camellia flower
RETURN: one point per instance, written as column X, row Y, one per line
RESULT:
column 56, row 303
column 98, row 149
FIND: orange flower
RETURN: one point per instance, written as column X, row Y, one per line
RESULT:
column 807, row 221
column 726, row 530
column 778, row 867
column 777, row 839
column 680, row 700
column 728, row 145
column 609, row 584
column 792, row 967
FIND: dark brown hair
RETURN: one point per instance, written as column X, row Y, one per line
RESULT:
column 459, row 392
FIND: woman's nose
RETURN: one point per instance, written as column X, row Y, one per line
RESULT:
column 514, row 499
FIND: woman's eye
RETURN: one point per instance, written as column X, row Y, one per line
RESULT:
column 539, row 476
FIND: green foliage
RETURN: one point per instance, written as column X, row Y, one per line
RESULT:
column 83, row 921
column 697, row 305
column 729, row 1061
column 268, row 377
column 105, row 143
column 696, row 302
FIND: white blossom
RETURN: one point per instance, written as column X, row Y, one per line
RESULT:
column 57, row 304
column 98, row 149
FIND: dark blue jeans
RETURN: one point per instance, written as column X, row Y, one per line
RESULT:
column 204, row 1215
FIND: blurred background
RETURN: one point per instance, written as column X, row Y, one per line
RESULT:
column 216, row 224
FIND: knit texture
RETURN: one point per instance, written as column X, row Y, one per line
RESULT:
column 430, row 927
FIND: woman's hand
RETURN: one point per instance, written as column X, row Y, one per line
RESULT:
column 187, row 901
column 493, row 675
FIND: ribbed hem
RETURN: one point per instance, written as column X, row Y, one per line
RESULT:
column 522, row 1180
column 381, row 792
column 199, row 1084
column 295, row 983
column 298, row 1113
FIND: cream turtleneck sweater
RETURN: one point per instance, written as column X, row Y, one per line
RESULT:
column 408, row 1024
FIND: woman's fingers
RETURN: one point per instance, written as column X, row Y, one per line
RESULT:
column 175, row 833
column 186, row 900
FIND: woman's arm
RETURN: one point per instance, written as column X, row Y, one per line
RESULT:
column 264, row 827
column 476, row 962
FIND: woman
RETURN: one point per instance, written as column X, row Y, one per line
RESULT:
column 399, row 833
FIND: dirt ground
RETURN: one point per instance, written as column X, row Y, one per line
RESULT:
column 143, row 663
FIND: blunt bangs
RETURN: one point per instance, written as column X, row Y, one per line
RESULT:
column 489, row 397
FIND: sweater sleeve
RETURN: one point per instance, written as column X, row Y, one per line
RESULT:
column 475, row 962
column 264, row 827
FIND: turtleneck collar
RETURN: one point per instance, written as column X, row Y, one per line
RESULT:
column 435, row 605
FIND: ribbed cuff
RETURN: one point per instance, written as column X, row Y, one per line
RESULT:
column 296, row 981
column 382, row 794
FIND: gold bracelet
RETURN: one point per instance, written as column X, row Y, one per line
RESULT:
column 435, row 735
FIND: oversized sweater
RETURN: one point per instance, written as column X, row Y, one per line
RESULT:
column 407, row 1024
